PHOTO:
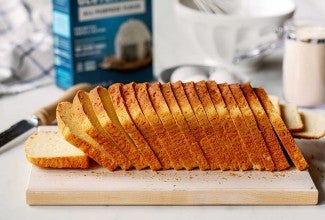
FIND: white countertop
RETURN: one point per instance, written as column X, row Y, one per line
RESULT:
column 14, row 168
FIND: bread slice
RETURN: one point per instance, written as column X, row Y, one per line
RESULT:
column 265, row 126
column 291, row 117
column 194, row 147
column 187, row 159
column 238, row 146
column 218, row 123
column 314, row 126
column 129, row 126
column 87, row 131
column 221, row 151
column 281, row 130
column 47, row 148
column 152, row 117
column 251, row 123
column 276, row 103
column 207, row 140
column 96, row 131
column 143, row 125
column 108, row 119
column 242, row 128
column 69, row 124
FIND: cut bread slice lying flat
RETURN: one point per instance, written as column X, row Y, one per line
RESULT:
column 314, row 126
column 280, row 128
column 47, row 148
column 129, row 126
column 72, row 132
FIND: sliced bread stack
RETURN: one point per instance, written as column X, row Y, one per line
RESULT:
column 201, row 125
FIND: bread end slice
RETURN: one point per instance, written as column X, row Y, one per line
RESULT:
column 47, row 148
column 314, row 126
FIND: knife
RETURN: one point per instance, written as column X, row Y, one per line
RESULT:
column 43, row 116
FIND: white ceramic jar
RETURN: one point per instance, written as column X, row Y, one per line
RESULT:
column 304, row 66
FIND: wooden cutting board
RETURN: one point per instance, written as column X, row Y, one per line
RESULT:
column 97, row 186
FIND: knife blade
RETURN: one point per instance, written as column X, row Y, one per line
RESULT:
column 43, row 116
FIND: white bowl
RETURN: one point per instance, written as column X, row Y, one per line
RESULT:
column 232, row 38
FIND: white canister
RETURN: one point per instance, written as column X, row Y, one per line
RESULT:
column 304, row 66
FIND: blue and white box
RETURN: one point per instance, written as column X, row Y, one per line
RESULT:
column 102, row 41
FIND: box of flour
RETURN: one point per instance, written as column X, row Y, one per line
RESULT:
column 102, row 41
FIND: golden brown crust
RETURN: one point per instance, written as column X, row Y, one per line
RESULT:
column 162, row 110
column 143, row 125
column 153, row 119
column 241, row 127
column 218, row 124
column 98, row 133
column 207, row 141
column 66, row 116
column 191, row 135
column 250, row 121
column 232, row 133
column 100, row 98
column 129, row 126
column 282, row 131
column 265, row 126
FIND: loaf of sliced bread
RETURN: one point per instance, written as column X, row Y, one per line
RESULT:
column 179, row 125
column 129, row 126
column 47, row 148
column 282, row 131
